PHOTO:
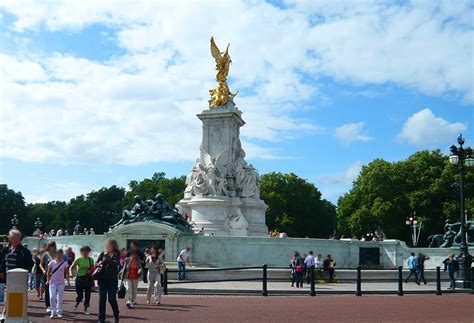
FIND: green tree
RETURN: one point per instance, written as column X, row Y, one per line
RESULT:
column 171, row 188
column 385, row 193
column 11, row 203
column 295, row 206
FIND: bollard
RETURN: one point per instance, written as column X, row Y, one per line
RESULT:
column 359, row 281
column 400, row 281
column 438, row 280
column 311, row 276
column 264, row 281
column 165, row 282
column 16, row 297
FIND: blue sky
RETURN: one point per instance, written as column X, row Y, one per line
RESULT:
column 96, row 94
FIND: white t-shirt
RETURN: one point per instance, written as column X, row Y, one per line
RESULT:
column 183, row 256
column 58, row 277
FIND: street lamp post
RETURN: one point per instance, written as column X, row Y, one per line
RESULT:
column 463, row 157
column 415, row 226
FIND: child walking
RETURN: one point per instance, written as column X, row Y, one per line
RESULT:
column 155, row 265
column 131, row 272
column 57, row 271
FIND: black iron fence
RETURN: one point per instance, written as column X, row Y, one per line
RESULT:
column 264, row 279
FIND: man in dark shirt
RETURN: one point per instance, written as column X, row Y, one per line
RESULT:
column 15, row 255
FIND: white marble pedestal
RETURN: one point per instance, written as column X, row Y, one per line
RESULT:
column 228, row 212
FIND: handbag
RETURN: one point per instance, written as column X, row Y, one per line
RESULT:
column 92, row 267
column 121, row 291
column 98, row 272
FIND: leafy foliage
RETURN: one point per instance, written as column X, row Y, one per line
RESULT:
column 295, row 206
column 385, row 193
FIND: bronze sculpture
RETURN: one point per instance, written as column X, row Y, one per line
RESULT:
column 158, row 211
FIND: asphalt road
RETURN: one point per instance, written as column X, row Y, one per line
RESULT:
column 375, row 308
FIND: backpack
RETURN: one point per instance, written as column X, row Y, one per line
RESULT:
column 299, row 268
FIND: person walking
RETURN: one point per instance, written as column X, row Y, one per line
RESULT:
column 293, row 259
column 38, row 272
column 299, row 270
column 47, row 257
column 420, row 267
column 182, row 259
column 109, row 261
column 84, row 282
column 131, row 273
column 15, row 254
column 145, row 268
column 452, row 266
column 318, row 265
column 57, row 271
column 155, row 265
column 328, row 265
column 309, row 264
column 412, row 265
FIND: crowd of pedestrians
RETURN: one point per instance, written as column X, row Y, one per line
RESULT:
column 301, row 268
column 51, row 268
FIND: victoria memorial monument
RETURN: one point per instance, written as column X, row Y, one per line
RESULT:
column 222, row 195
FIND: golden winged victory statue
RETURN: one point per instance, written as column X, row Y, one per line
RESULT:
column 220, row 95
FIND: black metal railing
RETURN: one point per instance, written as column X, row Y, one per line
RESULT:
column 264, row 278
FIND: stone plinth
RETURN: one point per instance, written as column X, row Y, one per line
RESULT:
column 223, row 191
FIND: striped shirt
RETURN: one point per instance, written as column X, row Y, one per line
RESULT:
column 10, row 259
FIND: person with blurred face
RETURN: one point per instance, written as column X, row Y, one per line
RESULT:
column 57, row 271
column 109, row 259
column 155, row 265
column 48, row 256
column 84, row 281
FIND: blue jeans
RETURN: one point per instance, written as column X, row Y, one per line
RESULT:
column 412, row 272
column 108, row 289
column 181, row 270
column 452, row 279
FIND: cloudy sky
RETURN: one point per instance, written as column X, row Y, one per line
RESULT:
column 96, row 93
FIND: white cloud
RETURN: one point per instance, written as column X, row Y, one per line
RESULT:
column 140, row 106
column 424, row 129
column 346, row 177
column 351, row 132
column 334, row 185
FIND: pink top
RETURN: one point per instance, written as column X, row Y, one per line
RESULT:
column 58, row 277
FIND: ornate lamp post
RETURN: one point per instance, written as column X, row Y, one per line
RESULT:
column 463, row 158
column 415, row 226
column 15, row 222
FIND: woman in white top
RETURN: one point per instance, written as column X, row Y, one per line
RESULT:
column 155, row 264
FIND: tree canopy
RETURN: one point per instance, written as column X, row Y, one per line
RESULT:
column 295, row 206
column 385, row 193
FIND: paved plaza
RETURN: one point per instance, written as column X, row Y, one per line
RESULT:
column 372, row 308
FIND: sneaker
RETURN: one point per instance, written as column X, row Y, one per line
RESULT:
column 129, row 305
column 53, row 316
column 48, row 309
column 59, row 315
column 86, row 310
